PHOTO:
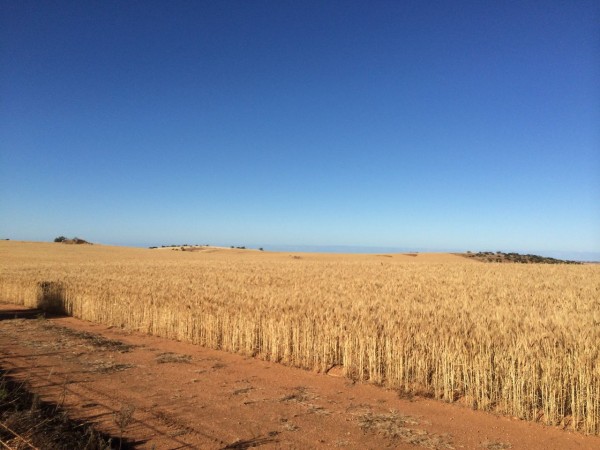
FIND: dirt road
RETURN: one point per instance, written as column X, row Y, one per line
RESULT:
column 184, row 396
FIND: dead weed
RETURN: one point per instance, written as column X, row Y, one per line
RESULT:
column 169, row 357
column 108, row 367
column 396, row 426
column 496, row 445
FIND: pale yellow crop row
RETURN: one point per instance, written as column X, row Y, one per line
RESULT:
column 521, row 340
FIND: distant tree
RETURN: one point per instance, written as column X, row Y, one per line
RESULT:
column 60, row 239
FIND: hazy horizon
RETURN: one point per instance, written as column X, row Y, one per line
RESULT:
column 584, row 256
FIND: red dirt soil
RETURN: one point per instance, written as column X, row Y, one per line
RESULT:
column 186, row 396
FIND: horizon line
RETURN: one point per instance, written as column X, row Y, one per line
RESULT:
column 574, row 255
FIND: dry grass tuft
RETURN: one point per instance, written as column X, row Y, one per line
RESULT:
column 243, row 390
column 108, row 367
column 496, row 445
column 169, row 357
column 396, row 426
column 243, row 444
column 300, row 395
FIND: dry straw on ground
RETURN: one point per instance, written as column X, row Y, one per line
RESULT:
column 520, row 340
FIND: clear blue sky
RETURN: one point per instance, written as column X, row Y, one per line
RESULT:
column 433, row 125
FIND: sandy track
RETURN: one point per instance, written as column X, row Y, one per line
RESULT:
column 185, row 396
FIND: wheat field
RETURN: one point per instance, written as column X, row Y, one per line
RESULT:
column 520, row 340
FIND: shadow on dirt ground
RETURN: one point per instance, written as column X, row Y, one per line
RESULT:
column 22, row 314
column 28, row 422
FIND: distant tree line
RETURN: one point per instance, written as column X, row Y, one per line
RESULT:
column 66, row 240
column 183, row 246
column 517, row 258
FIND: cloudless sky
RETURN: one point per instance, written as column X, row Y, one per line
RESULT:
column 470, row 125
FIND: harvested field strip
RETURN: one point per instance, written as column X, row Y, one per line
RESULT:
column 520, row 340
